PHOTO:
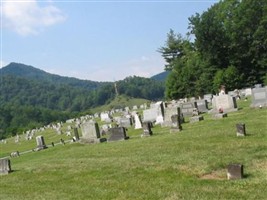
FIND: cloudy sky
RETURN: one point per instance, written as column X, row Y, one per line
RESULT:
column 92, row 40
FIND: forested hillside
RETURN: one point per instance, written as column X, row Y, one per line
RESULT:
column 31, row 98
column 229, row 48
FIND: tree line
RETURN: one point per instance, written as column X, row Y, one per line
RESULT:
column 225, row 45
column 29, row 103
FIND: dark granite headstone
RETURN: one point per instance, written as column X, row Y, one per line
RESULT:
column 241, row 129
column 202, row 106
column 117, row 134
column 235, row 171
column 5, row 166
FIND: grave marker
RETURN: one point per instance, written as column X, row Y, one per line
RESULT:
column 147, row 129
column 234, row 171
column 241, row 130
column 259, row 97
column 40, row 143
column 91, row 133
column 117, row 134
column 224, row 102
column 5, row 166
column 176, row 124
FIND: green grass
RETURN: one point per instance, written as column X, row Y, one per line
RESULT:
column 190, row 164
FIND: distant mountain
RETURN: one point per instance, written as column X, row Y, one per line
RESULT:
column 161, row 76
column 27, row 71
column 30, row 97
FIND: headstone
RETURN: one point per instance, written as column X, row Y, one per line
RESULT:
column 168, row 113
column 76, row 134
column 135, row 107
column 14, row 154
column 258, row 85
column 188, row 108
column 224, row 102
column 234, row 171
column 259, row 97
column 40, row 143
column 91, row 133
column 147, row 129
column 248, row 92
column 105, row 117
column 196, row 118
column 176, row 125
column 125, row 122
column 150, row 115
column 117, row 134
column 202, row 106
column 208, row 97
column 138, row 123
column 241, row 129
column 5, row 166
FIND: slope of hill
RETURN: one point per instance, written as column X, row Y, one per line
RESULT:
column 31, row 97
column 161, row 76
column 30, row 72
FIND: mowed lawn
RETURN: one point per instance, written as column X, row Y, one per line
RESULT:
column 190, row 164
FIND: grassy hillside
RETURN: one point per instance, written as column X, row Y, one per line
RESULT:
column 121, row 101
column 190, row 164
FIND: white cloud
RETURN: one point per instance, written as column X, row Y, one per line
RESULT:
column 28, row 18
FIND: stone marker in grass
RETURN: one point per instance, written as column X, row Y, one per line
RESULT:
column 147, row 129
column 5, row 167
column 176, row 124
column 234, row 171
column 117, row 134
column 40, row 143
column 240, row 129
column 91, row 133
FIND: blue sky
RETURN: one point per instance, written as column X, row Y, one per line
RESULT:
column 92, row 40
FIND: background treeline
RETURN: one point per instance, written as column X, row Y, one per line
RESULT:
column 30, row 97
column 229, row 47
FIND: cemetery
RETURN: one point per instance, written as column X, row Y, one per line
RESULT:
column 126, row 154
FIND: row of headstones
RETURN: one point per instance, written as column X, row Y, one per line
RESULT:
column 220, row 104
column 90, row 134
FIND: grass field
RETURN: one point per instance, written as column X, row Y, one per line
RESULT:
column 190, row 164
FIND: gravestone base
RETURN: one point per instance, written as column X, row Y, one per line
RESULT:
column 5, row 167
column 196, row 119
column 219, row 115
column 175, row 129
column 240, row 134
column 146, row 134
column 92, row 140
column 111, row 139
column 234, row 171
column 39, row 148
